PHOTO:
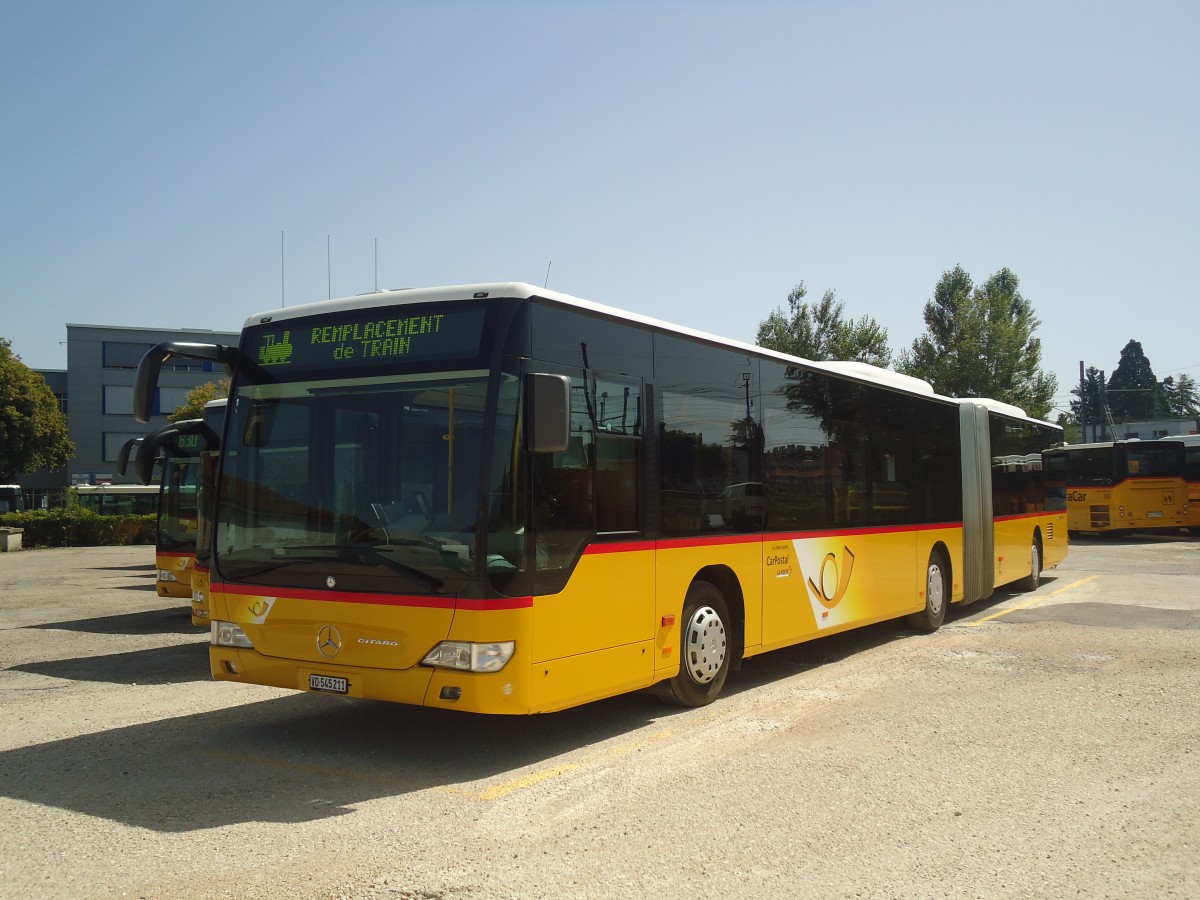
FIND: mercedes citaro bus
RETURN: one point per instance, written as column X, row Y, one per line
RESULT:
column 504, row 499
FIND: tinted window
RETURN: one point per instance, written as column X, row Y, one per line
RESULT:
column 709, row 437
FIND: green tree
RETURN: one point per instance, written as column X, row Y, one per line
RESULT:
column 1089, row 408
column 33, row 430
column 979, row 342
column 1070, row 427
column 193, row 404
column 1133, row 393
column 1180, row 396
column 821, row 331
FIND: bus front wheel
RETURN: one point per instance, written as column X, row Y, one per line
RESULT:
column 937, row 596
column 704, row 648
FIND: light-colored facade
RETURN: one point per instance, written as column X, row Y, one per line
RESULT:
column 96, row 393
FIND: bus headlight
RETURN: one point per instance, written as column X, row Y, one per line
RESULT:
column 466, row 656
column 166, row 575
column 226, row 634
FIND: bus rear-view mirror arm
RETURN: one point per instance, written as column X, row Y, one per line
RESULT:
column 548, row 412
column 123, row 456
column 151, row 364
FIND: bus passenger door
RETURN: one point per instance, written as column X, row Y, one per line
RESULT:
column 595, row 574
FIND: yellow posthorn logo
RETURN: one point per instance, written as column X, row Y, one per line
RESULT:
column 838, row 578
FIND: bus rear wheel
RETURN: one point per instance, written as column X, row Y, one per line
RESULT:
column 704, row 648
column 937, row 596
column 1034, row 578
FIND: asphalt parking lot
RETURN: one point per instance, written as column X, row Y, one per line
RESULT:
column 1038, row 745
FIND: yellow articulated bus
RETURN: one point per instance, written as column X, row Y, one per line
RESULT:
column 1122, row 485
column 503, row 499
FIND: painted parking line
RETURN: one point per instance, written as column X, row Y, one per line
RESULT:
column 1028, row 603
column 525, row 781
column 495, row 792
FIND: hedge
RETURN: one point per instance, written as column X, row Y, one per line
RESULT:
column 80, row 528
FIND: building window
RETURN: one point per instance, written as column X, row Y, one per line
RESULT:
column 126, row 355
column 170, row 399
column 118, row 400
column 122, row 355
column 114, row 440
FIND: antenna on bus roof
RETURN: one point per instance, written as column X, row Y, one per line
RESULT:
column 548, row 265
column 282, row 296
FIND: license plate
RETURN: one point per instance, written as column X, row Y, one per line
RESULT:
column 1154, row 515
column 328, row 684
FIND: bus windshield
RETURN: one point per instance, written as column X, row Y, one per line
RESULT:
column 370, row 483
column 1152, row 459
column 177, row 505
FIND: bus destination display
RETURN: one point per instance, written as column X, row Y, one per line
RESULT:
column 369, row 337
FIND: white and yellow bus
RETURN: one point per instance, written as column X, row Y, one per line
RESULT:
column 1121, row 486
column 504, row 499
column 116, row 499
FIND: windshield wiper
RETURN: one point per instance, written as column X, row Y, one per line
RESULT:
column 434, row 582
column 312, row 554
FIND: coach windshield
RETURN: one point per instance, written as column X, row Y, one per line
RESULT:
column 359, row 465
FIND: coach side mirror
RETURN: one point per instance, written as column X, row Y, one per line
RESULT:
column 547, row 412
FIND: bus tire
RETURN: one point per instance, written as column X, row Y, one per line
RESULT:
column 704, row 648
column 1031, row 581
column 937, row 596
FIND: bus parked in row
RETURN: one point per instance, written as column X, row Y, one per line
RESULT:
column 116, row 499
column 180, row 448
column 1191, row 474
column 504, row 499
column 1120, row 486
column 206, row 496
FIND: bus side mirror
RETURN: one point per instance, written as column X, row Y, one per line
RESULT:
column 123, row 456
column 547, row 412
column 146, row 380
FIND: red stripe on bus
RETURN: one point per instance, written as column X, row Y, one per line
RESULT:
column 618, row 547
column 337, row 596
column 847, row 532
column 1030, row 515
column 675, row 543
column 378, row 599
column 502, row 603
column 725, row 539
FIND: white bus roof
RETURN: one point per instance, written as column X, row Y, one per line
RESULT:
column 858, row 371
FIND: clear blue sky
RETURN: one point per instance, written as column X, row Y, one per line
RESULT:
column 685, row 160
